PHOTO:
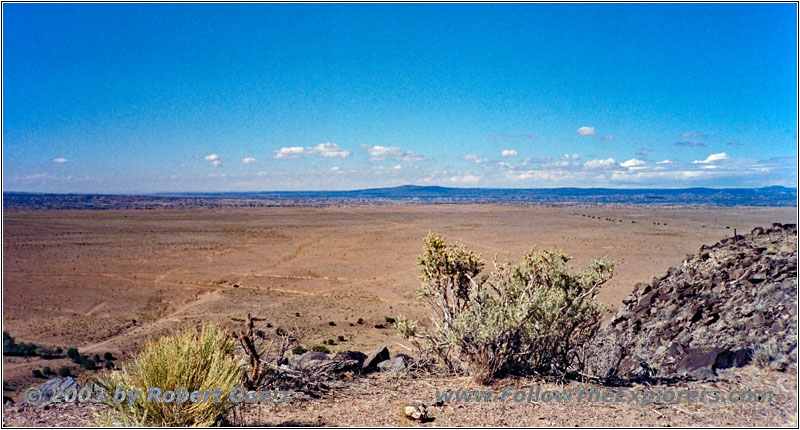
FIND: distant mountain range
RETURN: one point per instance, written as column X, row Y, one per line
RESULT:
column 767, row 196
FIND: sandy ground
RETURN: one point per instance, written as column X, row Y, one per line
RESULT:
column 107, row 280
column 377, row 401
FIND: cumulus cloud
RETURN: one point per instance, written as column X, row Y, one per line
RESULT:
column 509, row 153
column 664, row 162
column 571, row 157
column 60, row 160
column 692, row 134
column 691, row 144
column 608, row 137
column 248, row 160
column 328, row 150
column 632, row 163
column 712, row 158
column 291, row 152
column 467, row 178
column 593, row 164
column 378, row 153
column 216, row 163
column 212, row 157
column 475, row 159
column 586, row 131
column 397, row 167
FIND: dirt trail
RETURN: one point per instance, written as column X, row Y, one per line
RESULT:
column 145, row 329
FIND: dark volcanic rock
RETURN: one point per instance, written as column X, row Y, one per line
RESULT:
column 731, row 303
column 378, row 355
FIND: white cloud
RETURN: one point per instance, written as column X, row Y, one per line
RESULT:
column 632, row 163
column 216, row 163
column 378, row 152
column 712, row 158
column 664, row 162
column 475, row 159
column 335, row 168
column 248, row 160
column 467, row 178
column 509, row 153
column 608, row 162
column 397, row 167
column 571, row 157
column 608, row 137
column 212, row 157
column 586, row 131
column 290, row 152
column 329, row 150
column 60, row 160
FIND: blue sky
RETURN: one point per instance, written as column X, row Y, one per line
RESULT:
column 156, row 97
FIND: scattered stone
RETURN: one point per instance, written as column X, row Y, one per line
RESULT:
column 416, row 411
column 397, row 364
column 308, row 357
column 378, row 355
column 48, row 387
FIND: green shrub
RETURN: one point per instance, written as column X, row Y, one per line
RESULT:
column 108, row 356
column 299, row 350
column 48, row 371
column 73, row 354
column 195, row 360
column 331, row 323
column 389, row 320
column 533, row 316
column 340, row 338
column 37, row 373
column 321, row 348
column 64, row 372
column 360, row 321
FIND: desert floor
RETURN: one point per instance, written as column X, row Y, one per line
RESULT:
column 107, row 280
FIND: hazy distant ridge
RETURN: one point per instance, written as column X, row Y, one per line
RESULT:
column 767, row 196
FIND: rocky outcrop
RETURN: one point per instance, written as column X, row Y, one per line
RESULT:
column 732, row 303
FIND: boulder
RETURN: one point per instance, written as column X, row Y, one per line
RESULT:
column 309, row 357
column 397, row 364
column 48, row 387
column 378, row 355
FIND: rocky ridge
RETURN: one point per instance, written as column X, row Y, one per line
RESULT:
column 733, row 303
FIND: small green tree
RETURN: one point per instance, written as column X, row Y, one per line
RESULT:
column 526, row 317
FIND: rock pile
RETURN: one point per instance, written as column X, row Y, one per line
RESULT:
column 732, row 303
column 354, row 361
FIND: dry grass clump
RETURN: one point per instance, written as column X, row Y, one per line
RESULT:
column 195, row 360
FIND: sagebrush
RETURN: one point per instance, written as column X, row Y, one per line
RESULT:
column 533, row 316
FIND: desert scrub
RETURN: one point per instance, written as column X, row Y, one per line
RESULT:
column 195, row 360
column 533, row 316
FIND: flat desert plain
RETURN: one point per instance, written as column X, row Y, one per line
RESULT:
column 105, row 281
